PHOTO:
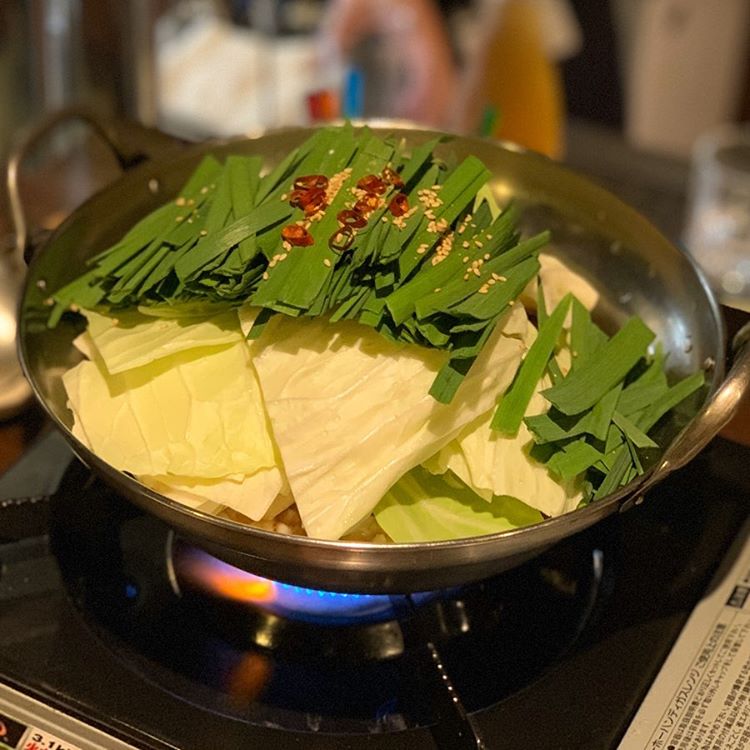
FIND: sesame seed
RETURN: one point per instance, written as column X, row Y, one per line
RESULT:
column 489, row 236
column 180, row 201
column 476, row 271
column 465, row 259
column 465, row 243
column 179, row 218
column 483, row 290
column 478, row 243
column 327, row 262
column 265, row 275
column 487, row 256
column 203, row 232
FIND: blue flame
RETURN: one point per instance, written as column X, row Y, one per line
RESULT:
column 288, row 600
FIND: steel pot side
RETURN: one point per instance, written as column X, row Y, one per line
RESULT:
column 634, row 267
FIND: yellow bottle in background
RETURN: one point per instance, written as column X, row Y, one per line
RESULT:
column 520, row 83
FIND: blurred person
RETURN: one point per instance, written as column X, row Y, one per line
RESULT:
column 508, row 85
column 414, row 53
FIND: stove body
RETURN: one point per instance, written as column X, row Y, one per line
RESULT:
column 100, row 622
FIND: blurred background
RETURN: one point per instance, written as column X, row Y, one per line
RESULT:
column 655, row 73
column 660, row 71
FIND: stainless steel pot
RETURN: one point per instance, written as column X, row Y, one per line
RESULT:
column 633, row 266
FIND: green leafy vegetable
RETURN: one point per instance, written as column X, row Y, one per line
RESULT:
column 514, row 403
column 439, row 275
column 422, row 507
column 603, row 409
column 597, row 375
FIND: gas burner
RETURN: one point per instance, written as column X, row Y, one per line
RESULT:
column 197, row 572
column 303, row 623
column 272, row 654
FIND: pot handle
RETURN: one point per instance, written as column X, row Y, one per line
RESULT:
column 130, row 142
column 714, row 416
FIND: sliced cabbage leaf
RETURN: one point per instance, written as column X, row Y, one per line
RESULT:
column 557, row 280
column 85, row 344
column 351, row 411
column 197, row 502
column 133, row 339
column 251, row 496
column 421, row 507
column 493, row 465
column 197, row 413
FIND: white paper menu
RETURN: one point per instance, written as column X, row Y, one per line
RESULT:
column 701, row 697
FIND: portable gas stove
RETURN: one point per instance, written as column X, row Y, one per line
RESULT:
column 116, row 633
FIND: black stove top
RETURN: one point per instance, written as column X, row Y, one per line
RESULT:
column 99, row 618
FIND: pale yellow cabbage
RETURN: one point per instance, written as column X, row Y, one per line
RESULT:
column 493, row 465
column 191, row 421
column 264, row 493
column 133, row 339
column 351, row 411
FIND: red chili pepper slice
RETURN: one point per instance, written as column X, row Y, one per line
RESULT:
column 371, row 183
column 351, row 218
column 308, row 181
column 313, row 201
column 297, row 236
column 367, row 204
column 392, row 177
column 296, row 196
column 399, row 204
column 342, row 239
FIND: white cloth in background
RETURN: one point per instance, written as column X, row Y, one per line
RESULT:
column 218, row 79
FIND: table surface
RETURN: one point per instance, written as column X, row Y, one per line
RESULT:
column 653, row 184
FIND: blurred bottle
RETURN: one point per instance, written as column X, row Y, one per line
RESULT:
column 520, row 92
